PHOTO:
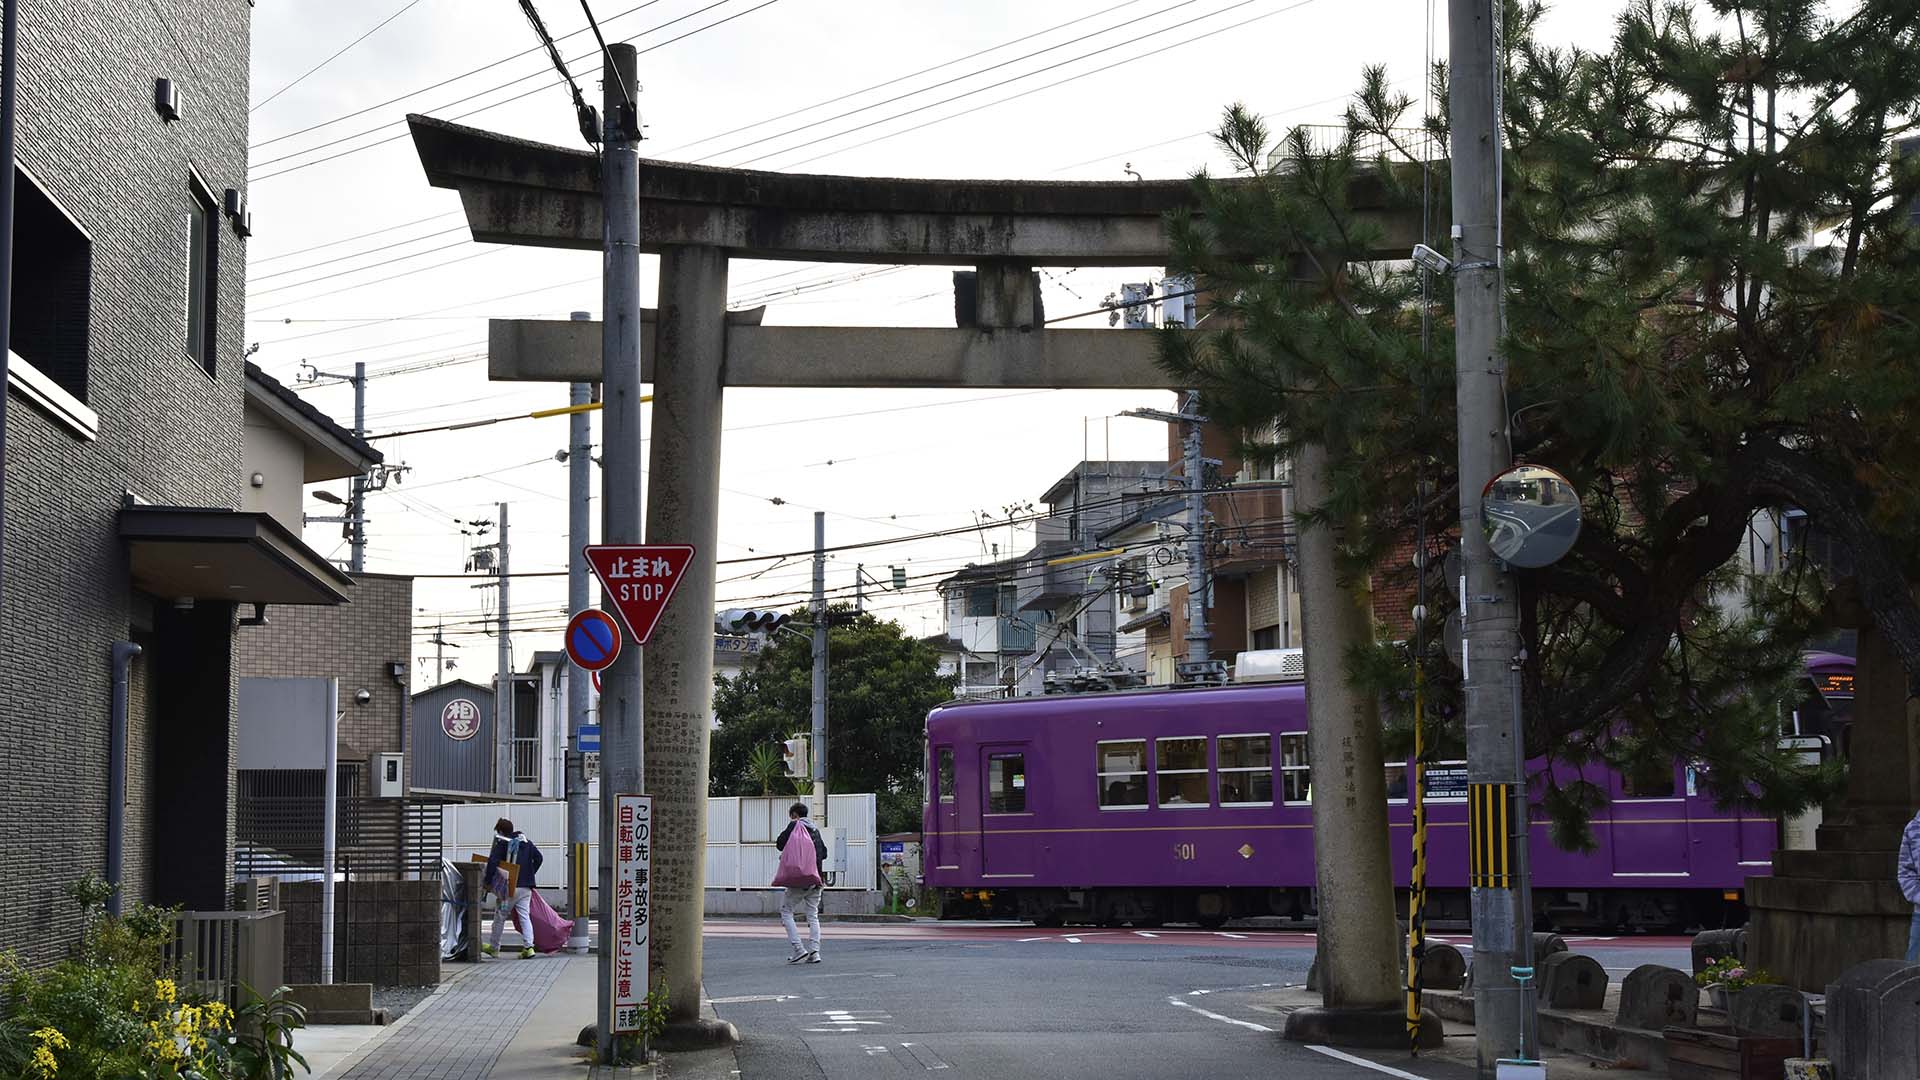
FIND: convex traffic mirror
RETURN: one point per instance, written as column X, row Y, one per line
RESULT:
column 1531, row 515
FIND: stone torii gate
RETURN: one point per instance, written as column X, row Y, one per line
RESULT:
column 696, row 219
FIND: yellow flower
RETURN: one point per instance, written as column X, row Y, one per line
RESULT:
column 165, row 990
column 52, row 1037
column 44, row 1064
column 218, row 1011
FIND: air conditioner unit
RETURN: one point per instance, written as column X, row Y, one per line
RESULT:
column 389, row 775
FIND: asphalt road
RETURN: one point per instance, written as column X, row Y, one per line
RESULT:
column 1002, row 1001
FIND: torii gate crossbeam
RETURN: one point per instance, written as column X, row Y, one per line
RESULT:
column 697, row 218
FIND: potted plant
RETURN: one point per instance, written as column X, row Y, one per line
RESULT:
column 1726, row 976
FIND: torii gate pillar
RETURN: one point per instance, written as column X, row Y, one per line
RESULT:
column 683, row 507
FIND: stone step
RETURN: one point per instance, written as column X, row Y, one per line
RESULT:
column 1828, row 896
column 1836, row 865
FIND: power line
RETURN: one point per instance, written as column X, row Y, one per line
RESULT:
column 899, row 79
column 342, row 50
column 358, row 254
column 1158, row 50
column 581, row 111
column 252, row 262
column 435, row 86
column 955, row 79
column 503, row 101
column 357, row 269
column 390, row 277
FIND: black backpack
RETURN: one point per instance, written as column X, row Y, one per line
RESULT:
column 530, row 858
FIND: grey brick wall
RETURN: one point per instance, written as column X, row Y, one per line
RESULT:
column 87, row 132
column 386, row 932
column 354, row 643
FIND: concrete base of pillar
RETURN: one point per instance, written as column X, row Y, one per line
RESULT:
column 1824, row 911
column 1361, row 1028
column 699, row 1033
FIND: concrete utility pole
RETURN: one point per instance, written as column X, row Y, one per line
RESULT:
column 622, row 743
column 579, row 686
column 1198, row 637
column 1358, row 938
column 819, row 740
column 358, row 509
column 503, row 679
column 1502, row 928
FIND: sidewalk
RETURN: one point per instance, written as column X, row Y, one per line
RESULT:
column 505, row 1018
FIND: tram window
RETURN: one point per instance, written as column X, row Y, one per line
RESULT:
column 1122, row 773
column 1396, row 783
column 943, row 774
column 1246, row 770
column 1006, row 783
column 1653, row 781
column 1183, row 772
column 1296, row 775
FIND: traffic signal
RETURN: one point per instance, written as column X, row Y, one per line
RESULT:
column 748, row 620
column 794, row 753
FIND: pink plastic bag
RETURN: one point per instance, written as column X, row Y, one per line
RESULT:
column 550, row 931
column 799, row 864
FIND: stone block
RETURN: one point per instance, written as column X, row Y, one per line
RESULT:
column 1571, row 981
column 1711, row 945
column 1808, row 1069
column 417, row 933
column 1767, row 1009
column 423, row 953
column 1654, row 997
column 1443, row 967
column 1873, row 1021
column 418, row 975
column 1546, row 944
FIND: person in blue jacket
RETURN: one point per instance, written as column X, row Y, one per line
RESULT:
column 511, row 846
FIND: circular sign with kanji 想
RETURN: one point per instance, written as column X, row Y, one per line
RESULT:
column 460, row 719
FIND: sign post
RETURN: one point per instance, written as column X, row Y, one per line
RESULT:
column 637, row 580
column 632, row 908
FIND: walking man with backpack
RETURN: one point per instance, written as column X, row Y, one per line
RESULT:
column 803, row 860
column 515, row 893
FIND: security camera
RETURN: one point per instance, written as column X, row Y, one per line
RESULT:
column 363, row 695
column 1430, row 260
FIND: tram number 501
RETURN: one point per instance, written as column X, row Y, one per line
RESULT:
column 1183, row 852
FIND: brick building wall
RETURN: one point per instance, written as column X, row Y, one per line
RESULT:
column 385, row 932
column 168, row 430
column 355, row 643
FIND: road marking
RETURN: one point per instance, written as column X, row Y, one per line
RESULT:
column 1216, row 1016
column 1350, row 1059
column 1072, row 940
column 856, row 975
column 928, row 1059
column 1144, row 933
column 1223, row 933
column 749, row 999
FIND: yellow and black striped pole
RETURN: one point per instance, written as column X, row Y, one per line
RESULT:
column 1417, row 884
column 577, row 888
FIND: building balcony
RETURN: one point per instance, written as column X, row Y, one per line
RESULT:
column 1250, row 530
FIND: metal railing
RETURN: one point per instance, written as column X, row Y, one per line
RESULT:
column 526, row 761
column 216, row 953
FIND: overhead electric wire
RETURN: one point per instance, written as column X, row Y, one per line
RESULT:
column 956, row 79
column 359, row 254
column 378, row 319
column 483, row 93
column 358, row 269
column 481, row 254
column 435, row 86
column 408, row 6
column 252, row 262
column 1157, row 51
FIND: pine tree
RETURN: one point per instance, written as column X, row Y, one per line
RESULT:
column 1713, row 308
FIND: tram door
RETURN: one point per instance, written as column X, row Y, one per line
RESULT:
column 943, row 847
column 1007, row 841
column 1652, row 835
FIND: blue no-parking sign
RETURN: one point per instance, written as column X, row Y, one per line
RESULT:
column 593, row 639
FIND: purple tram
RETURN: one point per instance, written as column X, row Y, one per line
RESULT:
column 1193, row 805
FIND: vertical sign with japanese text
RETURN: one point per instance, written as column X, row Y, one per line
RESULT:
column 632, row 910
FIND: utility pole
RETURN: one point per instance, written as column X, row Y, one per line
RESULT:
column 820, row 662
column 1198, row 637
column 440, row 652
column 579, row 494
column 503, row 681
column 1502, row 927
column 357, row 509
column 622, row 738
column 859, row 587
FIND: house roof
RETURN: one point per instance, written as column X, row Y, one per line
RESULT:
column 468, row 683
column 1004, row 570
column 1153, row 511
column 333, row 451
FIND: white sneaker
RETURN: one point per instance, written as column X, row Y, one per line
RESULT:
column 796, row 957
column 813, row 957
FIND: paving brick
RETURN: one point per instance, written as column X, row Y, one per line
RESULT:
column 459, row 1033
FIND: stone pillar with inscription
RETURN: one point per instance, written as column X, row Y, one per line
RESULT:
column 683, row 507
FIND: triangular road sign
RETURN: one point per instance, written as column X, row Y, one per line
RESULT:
column 639, row 579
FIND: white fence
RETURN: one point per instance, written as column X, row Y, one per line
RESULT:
column 740, row 833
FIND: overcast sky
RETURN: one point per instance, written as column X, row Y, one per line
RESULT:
column 1149, row 78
